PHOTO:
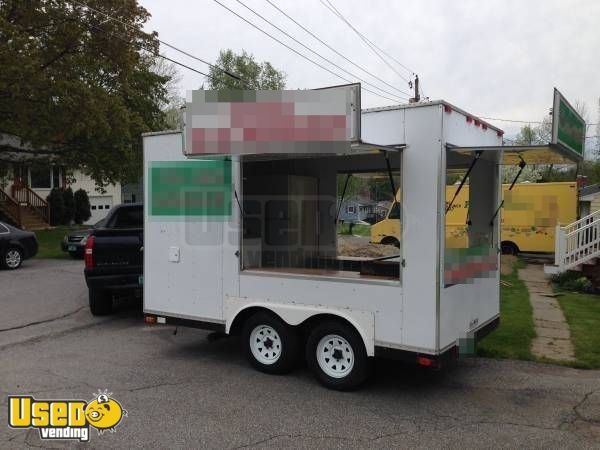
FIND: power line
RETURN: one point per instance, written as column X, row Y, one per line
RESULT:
column 408, row 69
column 108, row 16
column 510, row 120
column 153, row 52
column 333, row 49
column 523, row 121
column 318, row 54
column 296, row 51
column 367, row 41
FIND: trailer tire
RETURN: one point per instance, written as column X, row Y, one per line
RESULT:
column 348, row 366
column 270, row 344
column 101, row 302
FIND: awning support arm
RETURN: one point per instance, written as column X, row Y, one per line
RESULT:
column 522, row 165
column 237, row 199
column 337, row 216
column 478, row 154
column 389, row 171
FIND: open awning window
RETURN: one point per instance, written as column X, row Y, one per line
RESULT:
column 531, row 154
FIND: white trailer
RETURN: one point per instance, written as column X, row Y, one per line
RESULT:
column 246, row 241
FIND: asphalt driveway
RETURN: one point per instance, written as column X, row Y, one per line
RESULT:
column 184, row 389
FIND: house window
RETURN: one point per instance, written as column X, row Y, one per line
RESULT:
column 350, row 209
column 42, row 177
column 55, row 176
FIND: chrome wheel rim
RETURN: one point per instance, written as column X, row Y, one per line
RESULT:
column 13, row 259
column 335, row 356
column 265, row 344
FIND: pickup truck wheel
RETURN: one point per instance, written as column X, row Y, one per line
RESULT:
column 100, row 302
column 270, row 344
column 337, row 356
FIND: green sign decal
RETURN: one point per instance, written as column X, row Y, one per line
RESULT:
column 190, row 188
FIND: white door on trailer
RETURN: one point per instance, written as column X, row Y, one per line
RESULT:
column 187, row 212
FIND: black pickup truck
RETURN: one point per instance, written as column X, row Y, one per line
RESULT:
column 114, row 257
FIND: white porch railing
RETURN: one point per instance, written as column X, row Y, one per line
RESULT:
column 577, row 242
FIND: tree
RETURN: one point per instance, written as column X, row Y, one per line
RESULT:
column 77, row 87
column 82, row 207
column 538, row 135
column 173, row 101
column 69, row 203
column 255, row 75
column 56, row 202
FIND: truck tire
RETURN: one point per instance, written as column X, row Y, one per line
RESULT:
column 509, row 248
column 390, row 240
column 270, row 344
column 337, row 356
column 100, row 302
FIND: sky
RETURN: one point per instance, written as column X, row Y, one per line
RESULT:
column 498, row 59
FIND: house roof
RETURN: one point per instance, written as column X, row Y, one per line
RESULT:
column 359, row 200
column 589, row 190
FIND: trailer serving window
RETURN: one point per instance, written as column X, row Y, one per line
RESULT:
column 471, row 222
column 313, row 214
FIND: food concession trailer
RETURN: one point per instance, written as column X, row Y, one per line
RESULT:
column 241, row 232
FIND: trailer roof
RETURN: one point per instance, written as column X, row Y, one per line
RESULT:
column 431, row 103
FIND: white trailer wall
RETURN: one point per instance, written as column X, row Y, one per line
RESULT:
column 420, row 128
column 468, row 306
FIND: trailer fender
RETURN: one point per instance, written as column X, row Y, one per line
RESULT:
column 296, row 313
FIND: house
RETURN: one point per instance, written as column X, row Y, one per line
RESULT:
column 27, row 181
column 359, row 209
column 589, row 199
column 133, row 192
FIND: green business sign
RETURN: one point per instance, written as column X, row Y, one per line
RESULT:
column 190, row 188
column 568, row 127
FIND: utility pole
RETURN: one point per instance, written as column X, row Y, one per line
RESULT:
column 417, row 96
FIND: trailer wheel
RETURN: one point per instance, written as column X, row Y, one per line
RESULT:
column 336, row 354
column 100, row 302
column 270, row 344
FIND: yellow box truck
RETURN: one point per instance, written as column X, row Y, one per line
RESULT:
column 529, row 216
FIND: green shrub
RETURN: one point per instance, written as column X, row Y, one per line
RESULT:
column 82, row 207
column 56, row 202
column 571, row 281
column 69, row 202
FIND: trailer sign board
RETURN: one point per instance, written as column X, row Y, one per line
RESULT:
column 190, row 189
column 236, row 122
column 568, row 127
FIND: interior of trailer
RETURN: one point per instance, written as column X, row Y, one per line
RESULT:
column 295, row 214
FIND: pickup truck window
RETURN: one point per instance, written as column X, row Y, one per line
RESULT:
column 128, row 218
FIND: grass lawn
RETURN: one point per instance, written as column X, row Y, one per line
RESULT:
column 512, row 338
column 358, row 230
column 582, row 312
column 49, row 241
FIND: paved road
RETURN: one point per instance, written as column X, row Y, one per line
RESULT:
column 185, row 390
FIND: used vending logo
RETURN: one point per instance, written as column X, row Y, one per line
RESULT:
column 65, row 419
